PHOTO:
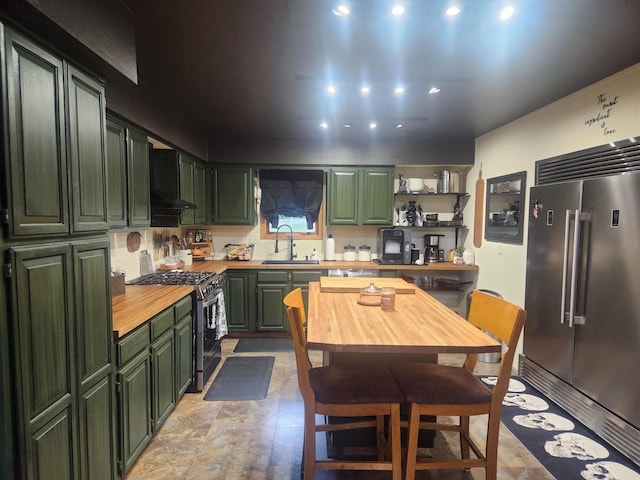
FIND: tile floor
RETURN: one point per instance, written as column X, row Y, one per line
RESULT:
column 262, row 440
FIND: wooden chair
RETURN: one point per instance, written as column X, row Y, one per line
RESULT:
column 344, row 391
column 439, row 390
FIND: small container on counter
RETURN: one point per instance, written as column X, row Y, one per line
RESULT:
column 349, row 253
column 364, row 253
column 388, row 299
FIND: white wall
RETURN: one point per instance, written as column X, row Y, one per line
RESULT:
column 559, row 128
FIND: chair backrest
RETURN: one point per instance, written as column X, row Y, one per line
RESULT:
column 297, row 320
column 505, row 321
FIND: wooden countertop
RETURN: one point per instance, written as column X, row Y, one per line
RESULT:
column 139, row 303
column 419, row 324
column 220, row 266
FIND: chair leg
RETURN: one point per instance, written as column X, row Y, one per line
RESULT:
column 309, row 446
column 379, row 436
column 394, row 440
column 491, row 453
column 412, row 442
column 464, row 435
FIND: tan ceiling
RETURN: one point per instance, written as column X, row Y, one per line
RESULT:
column 258, row 68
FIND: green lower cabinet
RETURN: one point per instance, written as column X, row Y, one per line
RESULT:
column 163, row 378
column 184, row 355
column 96, row 417
column 388, row 273
column 134, row 405
column 50, row 447
column 273, row 286
column 239, row 295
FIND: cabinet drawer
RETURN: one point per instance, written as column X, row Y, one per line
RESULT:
column 132, row 344
column 183, row 307
column 307, row 276
column 271, row 276
column 161, row 323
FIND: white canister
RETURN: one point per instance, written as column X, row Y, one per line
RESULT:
column 186, row 256
column 468, row 257
column 330, row 249
column 349, row 253
column 364, row 253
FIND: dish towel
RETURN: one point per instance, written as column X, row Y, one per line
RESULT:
column 221, row 317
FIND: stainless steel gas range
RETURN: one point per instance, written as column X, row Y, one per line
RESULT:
column 209, row 321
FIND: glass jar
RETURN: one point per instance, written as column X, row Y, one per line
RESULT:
column 349, row 253
column 388, row 299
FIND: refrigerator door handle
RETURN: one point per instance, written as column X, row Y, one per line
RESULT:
column 574, row 269
column 565, row 255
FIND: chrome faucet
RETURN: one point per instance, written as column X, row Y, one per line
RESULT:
column 291, row 244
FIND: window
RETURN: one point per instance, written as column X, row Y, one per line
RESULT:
column 298, row 224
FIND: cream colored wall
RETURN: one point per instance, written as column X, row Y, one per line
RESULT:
column 559, row 128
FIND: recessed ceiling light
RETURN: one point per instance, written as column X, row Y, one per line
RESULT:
column 434, row 90
column 398, row 10
column 324, row 125
column 399, row 90
column 452, row 11
column 347, row 125
column 365, row 90
column 372, row 126
column 399, row 125
column 342, row 10
column 332, row 90
column 507, row 12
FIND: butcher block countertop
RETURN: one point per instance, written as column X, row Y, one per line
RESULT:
column 140, row 303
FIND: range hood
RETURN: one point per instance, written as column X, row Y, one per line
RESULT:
column 166, row 211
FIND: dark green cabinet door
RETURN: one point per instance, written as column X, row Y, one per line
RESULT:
column 239, row 301
column 36, row 177
column 44, row 348
column 343, row 196
column 187, row 166
column 272, row 315
column 97, row 439
column 232, row 190
column 184, row 355
column 86, row 116
column 200, row 194
column 163, row 379
column 134, row 402
column 376, row 196
column 92, row 308
column 116, row 174
column 139, row 203
column 50, row 449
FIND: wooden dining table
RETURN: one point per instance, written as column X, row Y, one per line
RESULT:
column 419, row 324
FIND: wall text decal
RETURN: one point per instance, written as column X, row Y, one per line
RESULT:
column 601, row 119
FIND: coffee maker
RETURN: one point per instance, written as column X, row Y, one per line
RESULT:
column 431, row 247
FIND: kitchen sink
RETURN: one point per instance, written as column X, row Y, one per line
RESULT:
column 291, row 262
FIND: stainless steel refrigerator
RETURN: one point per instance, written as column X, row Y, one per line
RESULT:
column 583, row 288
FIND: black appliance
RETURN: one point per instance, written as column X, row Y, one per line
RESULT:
column 208, row 328
column 394, row 246
column 431, row 247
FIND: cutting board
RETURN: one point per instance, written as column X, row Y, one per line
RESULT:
column 355, row 284
column 478, row 212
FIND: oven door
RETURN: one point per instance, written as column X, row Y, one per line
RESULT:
column 207, row 352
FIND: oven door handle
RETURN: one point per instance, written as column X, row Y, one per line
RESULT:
column 212, row 298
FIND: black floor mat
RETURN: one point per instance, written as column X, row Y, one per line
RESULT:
column 242, row 378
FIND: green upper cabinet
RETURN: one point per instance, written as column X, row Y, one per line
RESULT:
column 55, row 143
column 138, row 182
column 232, row 190
column 200, row 194
column 87, row 126
column 360, row 196
column 128, row 173
column 187, row 165
column 376, row 196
